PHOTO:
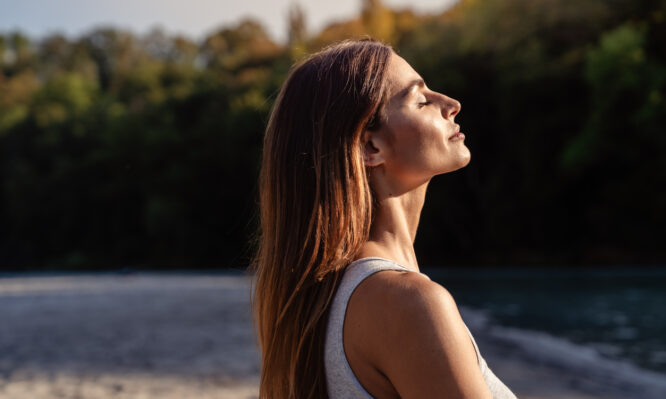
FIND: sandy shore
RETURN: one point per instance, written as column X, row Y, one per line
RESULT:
column 190, row 336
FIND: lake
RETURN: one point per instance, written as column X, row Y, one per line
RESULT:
column 618, row 312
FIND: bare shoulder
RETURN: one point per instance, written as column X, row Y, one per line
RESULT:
column 414, row 335
column 394, row 294
column 416, row 290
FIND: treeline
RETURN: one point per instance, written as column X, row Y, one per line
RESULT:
column 125, row 151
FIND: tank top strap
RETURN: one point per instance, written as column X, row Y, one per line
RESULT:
column 341, row 380
column 363, row 268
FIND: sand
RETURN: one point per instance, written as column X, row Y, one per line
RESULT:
column 157, row 335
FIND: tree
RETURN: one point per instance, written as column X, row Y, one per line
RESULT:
column 378, row 20
column 236, row 47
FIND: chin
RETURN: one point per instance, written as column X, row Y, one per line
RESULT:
column 464, row 159
column 467, row 159
column 460, row 163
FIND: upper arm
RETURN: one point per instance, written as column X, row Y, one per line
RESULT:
column 423, row 346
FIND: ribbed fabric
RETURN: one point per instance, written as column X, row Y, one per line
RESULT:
column 340, row 379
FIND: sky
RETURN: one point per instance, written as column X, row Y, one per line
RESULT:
column 192, row 18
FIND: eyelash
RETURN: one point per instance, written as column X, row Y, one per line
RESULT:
column 421, row 105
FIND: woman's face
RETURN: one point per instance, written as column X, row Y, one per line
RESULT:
column 417, row 140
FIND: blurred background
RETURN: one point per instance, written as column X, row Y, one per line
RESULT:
column 130, row 138
column 141, row 150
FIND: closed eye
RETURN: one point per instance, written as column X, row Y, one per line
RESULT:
column 421, row 105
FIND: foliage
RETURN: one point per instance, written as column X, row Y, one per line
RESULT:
column 118, row 150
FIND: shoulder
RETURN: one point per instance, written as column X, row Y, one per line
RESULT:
column 400, row 304
column 419, row 340
column 393, row 293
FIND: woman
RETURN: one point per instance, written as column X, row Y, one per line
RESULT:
column 341, row 308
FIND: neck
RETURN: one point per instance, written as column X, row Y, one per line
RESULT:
column 394, row 226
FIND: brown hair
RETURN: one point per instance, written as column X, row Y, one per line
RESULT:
column 316, row 207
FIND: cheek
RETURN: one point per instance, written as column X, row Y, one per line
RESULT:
column 422, row 136
column 416, row 141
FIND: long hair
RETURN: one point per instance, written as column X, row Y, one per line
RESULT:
column 315, row 207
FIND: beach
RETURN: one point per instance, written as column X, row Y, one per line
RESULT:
column 186, row 335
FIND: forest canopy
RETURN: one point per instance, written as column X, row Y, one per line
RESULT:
column 119, row 150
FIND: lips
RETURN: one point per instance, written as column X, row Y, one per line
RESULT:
column 457, row 132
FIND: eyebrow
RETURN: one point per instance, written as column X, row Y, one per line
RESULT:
column 416, row 82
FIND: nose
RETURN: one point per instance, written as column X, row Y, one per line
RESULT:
column 450, row 107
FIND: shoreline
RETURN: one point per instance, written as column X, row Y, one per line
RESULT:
column 186, row 335
column 540, row 365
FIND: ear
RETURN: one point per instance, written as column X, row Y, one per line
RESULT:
column 373, row 149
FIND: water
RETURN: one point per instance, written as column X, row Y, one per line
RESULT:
column 620, row 313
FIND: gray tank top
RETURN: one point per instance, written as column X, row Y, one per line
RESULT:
column 340, row 379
